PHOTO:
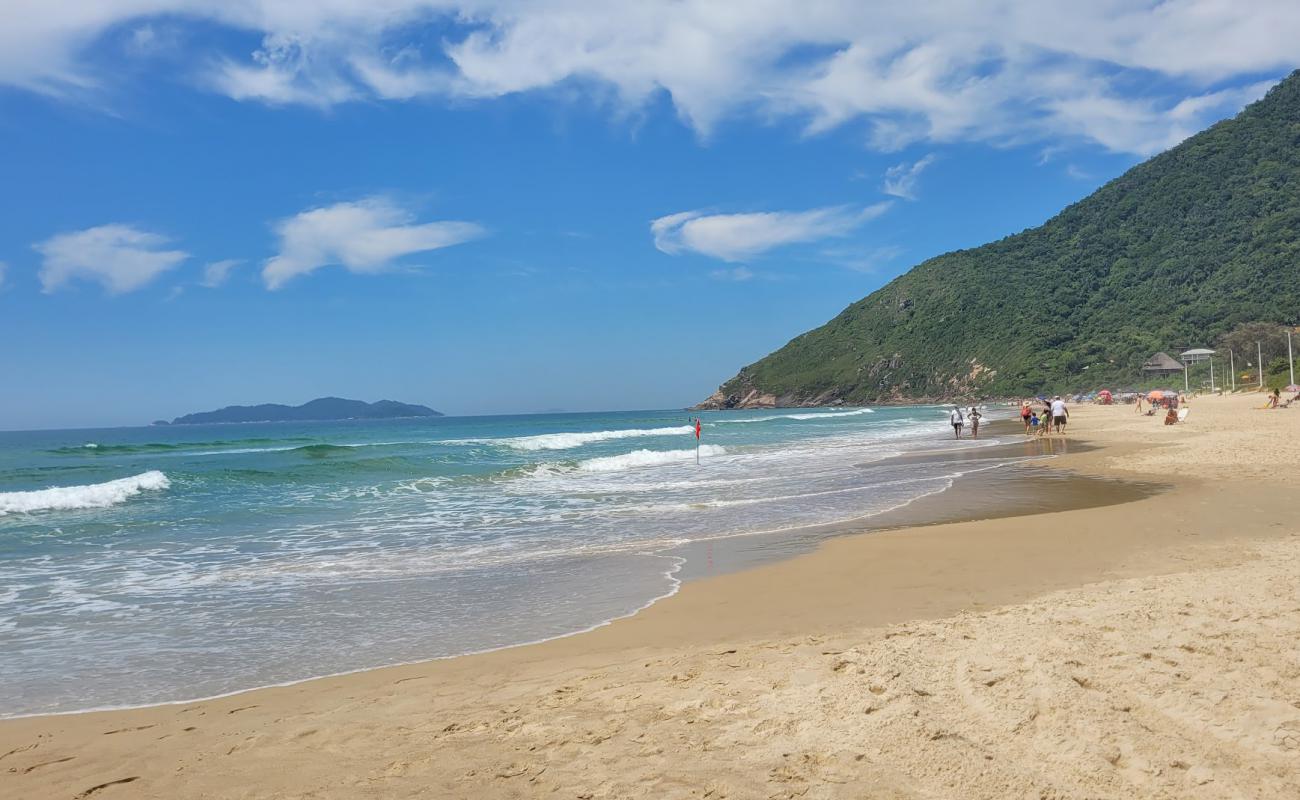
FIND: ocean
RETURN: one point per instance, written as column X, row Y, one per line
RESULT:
column 161, row 564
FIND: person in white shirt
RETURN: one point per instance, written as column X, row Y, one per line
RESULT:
column 957, row 421
column 1059, row 414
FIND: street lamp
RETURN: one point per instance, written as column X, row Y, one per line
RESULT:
column 1290, row 362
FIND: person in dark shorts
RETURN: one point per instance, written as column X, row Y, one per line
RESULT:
column 1060, row 414
column 1025, row 413
column 957, row 421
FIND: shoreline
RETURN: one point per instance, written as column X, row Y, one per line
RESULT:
column 852, row 587
column 934, row 508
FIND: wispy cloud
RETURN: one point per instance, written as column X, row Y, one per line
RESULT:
column 942, row 71
column 862, row 259
column 121, row 258
column 3, row 268
column 1077, row 172
column 365, row 236
column 217, row 273
column 901, row 179
column 738, row 274
column 736, row 237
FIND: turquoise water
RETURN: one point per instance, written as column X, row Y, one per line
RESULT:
column 143, row 565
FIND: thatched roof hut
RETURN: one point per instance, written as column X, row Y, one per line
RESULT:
column 1161, row 364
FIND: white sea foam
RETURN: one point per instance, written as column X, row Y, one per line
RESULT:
column 95, row 495
column 829, row 414
column 647, row 458
column 804, row 416
column 566, row 441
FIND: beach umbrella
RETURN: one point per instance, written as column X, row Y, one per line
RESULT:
column 1156, row 394
column 1292, row 388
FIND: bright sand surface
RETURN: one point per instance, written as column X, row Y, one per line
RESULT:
column 1147, row 649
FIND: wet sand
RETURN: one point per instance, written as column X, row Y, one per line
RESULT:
column 1146, row 648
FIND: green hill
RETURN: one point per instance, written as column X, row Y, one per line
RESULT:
column 1176, row 251
column 320, row 409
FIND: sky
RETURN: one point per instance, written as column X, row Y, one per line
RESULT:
column 508, row 207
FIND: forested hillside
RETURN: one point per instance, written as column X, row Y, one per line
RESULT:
column 1176, row 251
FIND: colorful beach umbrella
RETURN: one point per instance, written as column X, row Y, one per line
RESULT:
column 1292, row 388
column 1156, row 394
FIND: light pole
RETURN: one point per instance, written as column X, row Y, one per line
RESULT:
column 1212, row 387
column 1290, row 362
column 1259, row 350
column 1232, row 368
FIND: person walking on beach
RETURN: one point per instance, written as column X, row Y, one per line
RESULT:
column 974, row 416
column 1025, row 413
column 1139, row 404
column 1046, row 417
column 956, row 419
column 1060, row 414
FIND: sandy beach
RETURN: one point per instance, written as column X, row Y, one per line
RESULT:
column 1144, row 649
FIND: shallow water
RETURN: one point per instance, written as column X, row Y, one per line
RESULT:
column 147, row 565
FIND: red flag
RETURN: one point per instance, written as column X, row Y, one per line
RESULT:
column 697, row 427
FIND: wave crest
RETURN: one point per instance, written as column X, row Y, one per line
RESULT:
column 94, row 495
column 804, row 416
column 566, row 441
column 647, row 458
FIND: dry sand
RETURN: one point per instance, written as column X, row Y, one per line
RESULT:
column 1150, row 649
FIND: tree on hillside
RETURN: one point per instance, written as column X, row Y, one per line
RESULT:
column 1241, row 340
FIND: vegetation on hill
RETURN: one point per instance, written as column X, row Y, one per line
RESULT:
column 1174, row 253
column 323, row 408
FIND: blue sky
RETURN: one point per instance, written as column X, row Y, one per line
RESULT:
column 499, row 207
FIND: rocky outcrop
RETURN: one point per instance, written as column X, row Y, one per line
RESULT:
column 748, row 399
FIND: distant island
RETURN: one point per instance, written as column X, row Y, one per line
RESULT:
column 318, row 410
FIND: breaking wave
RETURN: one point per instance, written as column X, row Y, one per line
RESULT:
column 566, row 441
column 249, row 445
column 95, row 495
column 804, row 416
column 647, row 458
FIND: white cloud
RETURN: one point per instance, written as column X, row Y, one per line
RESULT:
column 217, row 272
column 1130, row 75
column 736, row 237
column 862, row 259
column 3, row 268
column 738, row 274
column 1077, row 172
column 366, row 236
column 901, row 179
column 119, row 257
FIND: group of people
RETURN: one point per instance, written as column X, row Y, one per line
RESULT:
column 958, row 418
column 1054, row 416
column 1170, row 402
column 1275, row 400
